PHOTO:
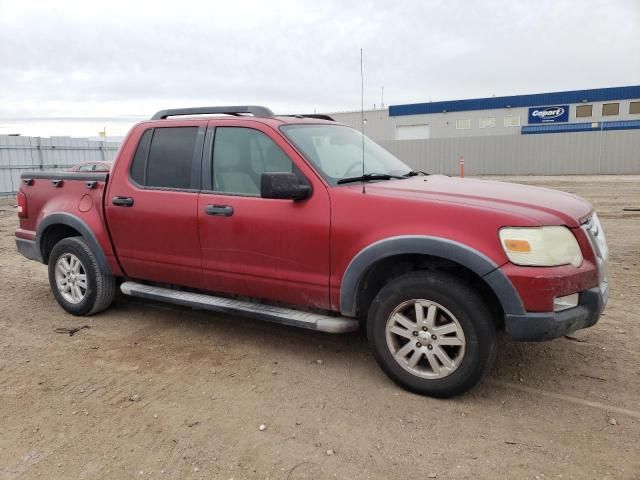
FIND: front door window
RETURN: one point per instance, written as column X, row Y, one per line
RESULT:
column 241, row 156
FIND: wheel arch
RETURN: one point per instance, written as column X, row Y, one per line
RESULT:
column 431, row 251
column 56, row 226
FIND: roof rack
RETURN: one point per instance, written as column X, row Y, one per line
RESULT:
column 255, row 110
column 319, row 116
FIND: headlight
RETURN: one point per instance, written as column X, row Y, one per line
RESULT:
column 541, row 246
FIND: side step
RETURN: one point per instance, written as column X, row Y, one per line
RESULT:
column 286, row 316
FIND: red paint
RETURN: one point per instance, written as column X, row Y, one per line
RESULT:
column 297, row 252
column 538, row 286
column 86, row 202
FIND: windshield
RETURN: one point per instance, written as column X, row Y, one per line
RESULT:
column 336, row 151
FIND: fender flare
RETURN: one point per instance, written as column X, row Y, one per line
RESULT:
column 62, row 218
column 456, row 252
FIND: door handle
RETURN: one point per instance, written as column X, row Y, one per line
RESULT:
column 122, row 201
column 219, row 210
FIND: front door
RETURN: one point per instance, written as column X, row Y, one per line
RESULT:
column 152, row 200
column 255, row 247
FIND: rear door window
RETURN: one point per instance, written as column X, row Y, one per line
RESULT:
column 164, row 157
column 170, row 157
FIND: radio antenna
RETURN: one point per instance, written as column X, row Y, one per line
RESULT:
column 362, row 115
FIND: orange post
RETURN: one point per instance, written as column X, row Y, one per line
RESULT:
column 461, row 165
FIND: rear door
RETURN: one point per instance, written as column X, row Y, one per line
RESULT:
column 152, row 203
column 271, row 249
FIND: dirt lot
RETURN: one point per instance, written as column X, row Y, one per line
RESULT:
column 151, row 391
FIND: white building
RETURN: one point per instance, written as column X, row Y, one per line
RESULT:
column 616, row 108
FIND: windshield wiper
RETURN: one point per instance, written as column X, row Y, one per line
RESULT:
column 367, row 177
column 414, row 173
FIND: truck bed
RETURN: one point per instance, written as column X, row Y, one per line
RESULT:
column 73, row 194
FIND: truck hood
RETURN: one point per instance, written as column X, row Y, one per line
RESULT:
column 542, row 206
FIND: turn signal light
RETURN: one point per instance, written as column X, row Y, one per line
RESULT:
column 517, row 245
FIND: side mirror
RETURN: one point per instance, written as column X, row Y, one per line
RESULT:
column 283, row 185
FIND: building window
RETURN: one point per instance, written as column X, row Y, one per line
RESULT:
column 412, row 132
column 584, row 111
column 634, row 108
column 512, row 120
column 610, row 109
column 489, row 122
column 463, row 123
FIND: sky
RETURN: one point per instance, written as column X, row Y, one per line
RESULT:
column 75, row 67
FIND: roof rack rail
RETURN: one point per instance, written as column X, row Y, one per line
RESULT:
column 255, row 110
column 319, row 116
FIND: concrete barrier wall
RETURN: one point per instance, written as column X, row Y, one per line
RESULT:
column 589, row 153
column 22, row 154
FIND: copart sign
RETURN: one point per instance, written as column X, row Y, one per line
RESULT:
column 558, row 113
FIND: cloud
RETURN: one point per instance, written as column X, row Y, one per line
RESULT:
column 115, row 59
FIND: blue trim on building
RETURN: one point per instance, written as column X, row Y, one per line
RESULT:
column 580, row 127
column 518, row 101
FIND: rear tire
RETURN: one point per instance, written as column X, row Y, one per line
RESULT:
column 76, row 280
column 431, row 333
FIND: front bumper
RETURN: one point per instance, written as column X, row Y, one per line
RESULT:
column 537, row 327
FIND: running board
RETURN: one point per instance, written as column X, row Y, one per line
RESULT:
column 286, row 316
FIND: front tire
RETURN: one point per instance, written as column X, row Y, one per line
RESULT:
column 431, row 333
column 76, row 280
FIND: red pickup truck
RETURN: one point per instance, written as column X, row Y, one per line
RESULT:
column 275, row 217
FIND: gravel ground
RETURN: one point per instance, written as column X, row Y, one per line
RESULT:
column 152, row 391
